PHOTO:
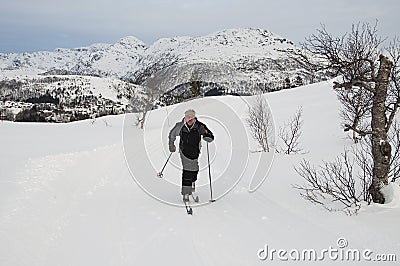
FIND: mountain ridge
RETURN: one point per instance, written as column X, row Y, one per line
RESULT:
column 129, row 54
column 233, row 61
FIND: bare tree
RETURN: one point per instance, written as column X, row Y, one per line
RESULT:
column 356, row 108
column 143, row 104
column 261, row 123
column 332, row 182
column 291, row 132
column 360, row 62
column 347, row 179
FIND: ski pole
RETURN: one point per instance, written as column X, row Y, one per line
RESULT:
column 209, row 173
column 160, row 174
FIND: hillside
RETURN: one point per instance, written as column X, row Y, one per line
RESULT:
column 64, row 85
column 257, row 52
column 64, row 98
column 72, row 194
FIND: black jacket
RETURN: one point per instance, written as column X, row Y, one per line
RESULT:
column 190, row 137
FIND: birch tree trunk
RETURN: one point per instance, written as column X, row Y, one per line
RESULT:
column 379, row 129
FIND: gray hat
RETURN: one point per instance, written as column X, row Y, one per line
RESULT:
column 190, row 113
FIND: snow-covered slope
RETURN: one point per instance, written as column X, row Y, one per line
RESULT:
column 67, row 196
column 63, row 97
column 225, row 46
column 236, row 61
column 254, row 51
column 97, row 59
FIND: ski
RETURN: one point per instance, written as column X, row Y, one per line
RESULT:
column 188, row 208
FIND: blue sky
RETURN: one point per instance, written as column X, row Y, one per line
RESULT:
column 36, row 25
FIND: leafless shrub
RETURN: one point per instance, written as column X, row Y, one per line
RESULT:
column 290, row 133
column 260, row 123
column 333, row 182
column 144, row 104
column 363, row 158
column 347, row 179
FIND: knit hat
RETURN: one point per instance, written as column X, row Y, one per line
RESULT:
column 190, row 113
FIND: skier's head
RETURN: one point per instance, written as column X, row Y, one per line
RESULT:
column 190, row 116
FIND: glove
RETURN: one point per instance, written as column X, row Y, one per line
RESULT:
column 208, row 137
column 172, row 147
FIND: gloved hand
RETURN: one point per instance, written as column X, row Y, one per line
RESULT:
column 208, row 136
column 208, row 139
column 172, row 147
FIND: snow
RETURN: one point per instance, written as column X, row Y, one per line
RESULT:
column 391, row 193
column 129, row 55
column 106, row 87
column 224, row 46
column 72, row 194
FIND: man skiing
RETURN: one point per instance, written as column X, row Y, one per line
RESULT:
column 190, row 131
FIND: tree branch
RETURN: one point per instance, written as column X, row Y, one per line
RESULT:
column 392, row 114
column 352, row 83
column 362, row 133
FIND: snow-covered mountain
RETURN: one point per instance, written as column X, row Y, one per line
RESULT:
column 98, row 59
column 252, row 50
column 229, row 47
column 236, row 61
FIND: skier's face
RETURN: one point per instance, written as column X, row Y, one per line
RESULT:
column 190, row 120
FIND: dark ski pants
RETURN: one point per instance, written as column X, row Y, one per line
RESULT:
column 187, row 178
column 189, row 173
